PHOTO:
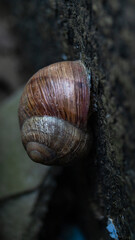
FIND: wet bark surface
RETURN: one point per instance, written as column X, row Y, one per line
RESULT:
column 98, row 191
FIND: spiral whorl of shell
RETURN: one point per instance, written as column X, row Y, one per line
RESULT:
column 53, row 112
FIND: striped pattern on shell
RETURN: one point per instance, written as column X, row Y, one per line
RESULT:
column 61, row 90
column 53, row 113
column 48, row 139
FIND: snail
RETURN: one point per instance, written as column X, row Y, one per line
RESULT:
column 53, row 113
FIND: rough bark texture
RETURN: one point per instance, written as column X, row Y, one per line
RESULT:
column 100, row 189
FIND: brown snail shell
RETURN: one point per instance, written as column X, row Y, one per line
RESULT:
column 53, row 113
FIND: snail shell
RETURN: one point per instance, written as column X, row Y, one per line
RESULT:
column 53, row 113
